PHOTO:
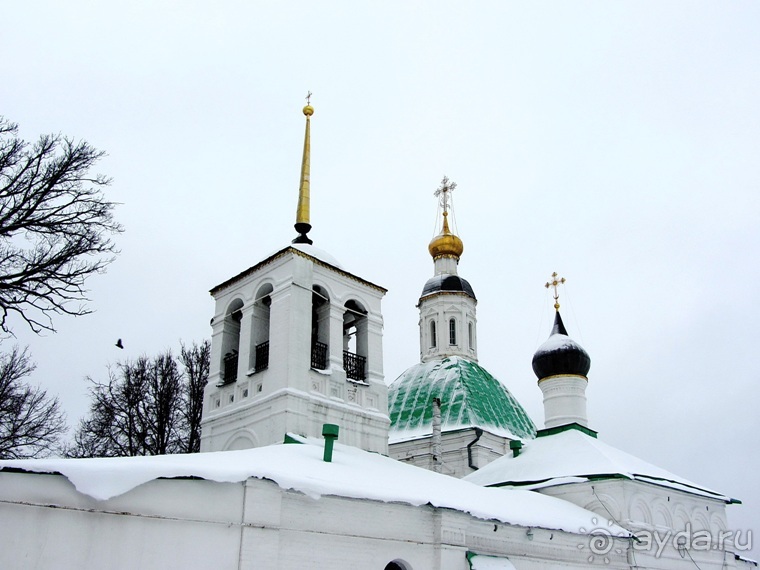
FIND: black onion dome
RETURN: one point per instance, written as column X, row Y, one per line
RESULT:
column 446, row 282
column 560, row 355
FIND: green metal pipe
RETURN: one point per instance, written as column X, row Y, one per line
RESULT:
column 330, row 433
column 515, row 445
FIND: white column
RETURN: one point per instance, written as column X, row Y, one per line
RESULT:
column 244, row 356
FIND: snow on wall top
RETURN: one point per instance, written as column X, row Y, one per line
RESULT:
column 352, row 473
column 483, row 562
column 572, row 456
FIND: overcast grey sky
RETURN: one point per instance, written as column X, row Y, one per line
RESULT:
column 614, row 142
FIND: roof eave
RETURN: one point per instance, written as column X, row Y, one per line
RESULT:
column 290, row 249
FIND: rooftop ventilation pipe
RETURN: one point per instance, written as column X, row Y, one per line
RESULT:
column 330, row 433
column 515, row 445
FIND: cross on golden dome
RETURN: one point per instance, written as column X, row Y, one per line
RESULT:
column 445, row 244
column 443, row 192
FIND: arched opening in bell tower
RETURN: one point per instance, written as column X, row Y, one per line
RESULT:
column 258, row 359
column 320, row 328
column 231, row 341
column 355, row 341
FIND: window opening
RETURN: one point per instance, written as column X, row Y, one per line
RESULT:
column 231, row 342
column 320, row 328
column 452, row 331
column 258, row 359
column 355, row 341
column 433, row 335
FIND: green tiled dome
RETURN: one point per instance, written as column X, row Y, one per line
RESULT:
column 470, row 397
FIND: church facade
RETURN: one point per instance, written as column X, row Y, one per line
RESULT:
column 310, row 461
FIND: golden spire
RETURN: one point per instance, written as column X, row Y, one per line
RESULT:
column 555, row 283
column 446, row 244
column 303, row 223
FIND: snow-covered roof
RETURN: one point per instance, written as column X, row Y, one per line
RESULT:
column 470, row 397
column 352, row 473
column 572, row 456
column 315, row 253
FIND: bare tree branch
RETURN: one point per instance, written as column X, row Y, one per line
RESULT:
column 31, row 423
column 147, row 407
column 55, row 227
column 195, row 360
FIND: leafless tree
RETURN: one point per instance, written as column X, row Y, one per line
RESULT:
column 31, row 423
column 195, row 361
column 55, row 227
column 147, row 407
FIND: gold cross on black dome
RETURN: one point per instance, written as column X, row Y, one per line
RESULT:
column 555, row 282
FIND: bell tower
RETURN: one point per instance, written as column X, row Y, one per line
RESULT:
column 296, row 343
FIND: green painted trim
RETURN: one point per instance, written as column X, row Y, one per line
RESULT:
column 566, row 427
column 290, row 439
column 607, row 476
column 537, row 481
column 613, row 476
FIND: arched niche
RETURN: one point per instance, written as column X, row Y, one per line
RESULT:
column 320, row 327
column 355, row 340
column 231, row 341
column 397, row 565
column 258, row 359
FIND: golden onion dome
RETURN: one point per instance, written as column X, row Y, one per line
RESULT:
column 446, row 244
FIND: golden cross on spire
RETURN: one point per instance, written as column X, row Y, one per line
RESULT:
column 308, row 98
column 443, row 192
column 555, row 282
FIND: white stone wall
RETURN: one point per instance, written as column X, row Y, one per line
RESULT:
column 455, row 460
column 195, row 524
column 660, row 517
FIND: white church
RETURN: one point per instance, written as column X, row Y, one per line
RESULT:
column 310, row 460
